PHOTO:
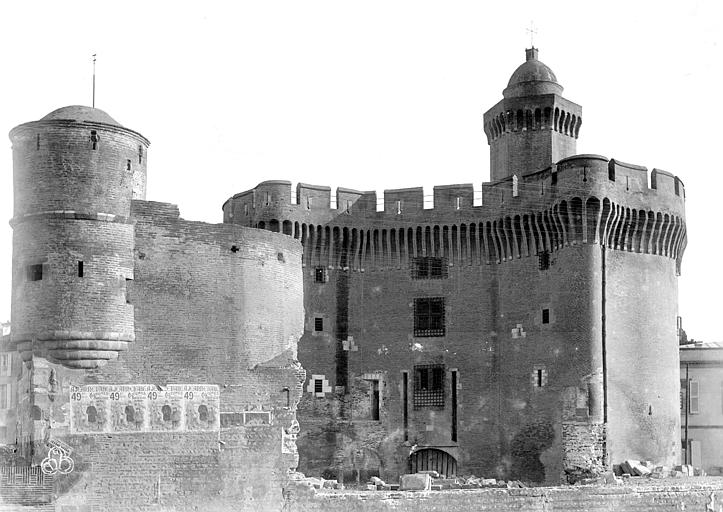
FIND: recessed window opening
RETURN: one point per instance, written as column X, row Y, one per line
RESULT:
column 37, row 142
column 130, row 414
column 140, row 154
column 166, row 412
column 429, row 317
column 545, row 316
column 318, row 386
column 375, row 400
column 94, row 139
column 428, row 385
column 202, row 412
column 268, row 198
column 543, row 260
column 429, row 267
column 128, row 165
column 539, row 378
column 234, row 248
column 35, row 272
column 128, row 290
column 246, row 210
column 92, row 414
column 80, row 269
column 318, row 324
column 320, row 275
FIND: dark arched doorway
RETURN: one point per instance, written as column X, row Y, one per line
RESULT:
column 430, row 459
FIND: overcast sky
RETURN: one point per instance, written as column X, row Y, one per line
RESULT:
column 373, row 95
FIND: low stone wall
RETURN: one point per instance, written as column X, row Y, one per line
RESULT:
column 678, row 495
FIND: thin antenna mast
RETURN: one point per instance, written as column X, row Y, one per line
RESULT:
column 94, row 80
column 532, row 31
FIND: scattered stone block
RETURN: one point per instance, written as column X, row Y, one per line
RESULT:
column 330, row 484
column 436, row 487
column 431, row 473
column 377, row 481
column 415, row 482
column 371, row 487
column 488, row 481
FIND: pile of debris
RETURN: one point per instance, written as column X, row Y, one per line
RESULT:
column 433, row 481
column 636, row 468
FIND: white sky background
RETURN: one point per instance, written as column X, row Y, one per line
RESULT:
column 373, row 95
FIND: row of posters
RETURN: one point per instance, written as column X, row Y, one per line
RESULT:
column 144, row 408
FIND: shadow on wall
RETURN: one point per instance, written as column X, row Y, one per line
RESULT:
column 526, row 447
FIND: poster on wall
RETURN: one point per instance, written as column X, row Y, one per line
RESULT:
column 144, row 408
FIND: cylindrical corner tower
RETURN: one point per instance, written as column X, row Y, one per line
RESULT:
column 75, row 173
column 533, row 126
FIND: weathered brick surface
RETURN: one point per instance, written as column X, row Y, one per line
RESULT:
column 177, row 302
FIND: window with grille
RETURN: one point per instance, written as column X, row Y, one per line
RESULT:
column 428, row 385
column 429, row 267
column 429, row 317
column 321, row 275
column 318, row 324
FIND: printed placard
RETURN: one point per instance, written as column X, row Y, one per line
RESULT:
column 132, row 408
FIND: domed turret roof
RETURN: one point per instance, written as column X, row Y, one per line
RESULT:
column 81, row 114
column 532, row 78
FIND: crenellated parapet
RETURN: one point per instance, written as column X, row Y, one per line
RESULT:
column 581, row 199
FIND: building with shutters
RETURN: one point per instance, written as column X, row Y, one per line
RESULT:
column 531, row 335
column 701, row 405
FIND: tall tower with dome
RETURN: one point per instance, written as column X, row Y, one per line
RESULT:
column 532, row 336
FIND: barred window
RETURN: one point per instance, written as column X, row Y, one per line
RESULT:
column 429, row 317
column 429, row 267
column 428, row 386
column 321, row 275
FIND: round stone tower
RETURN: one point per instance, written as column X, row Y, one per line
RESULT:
column 533, row 126
column 75, row 173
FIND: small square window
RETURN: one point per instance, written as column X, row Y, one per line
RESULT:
column 35, row 272
column 545, row 316
column 320, row 275
column 318, row 324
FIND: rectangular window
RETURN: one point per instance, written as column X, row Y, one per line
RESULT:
column 318, row 324
column 429, row 267
column 318, row 386
column 683, row 395
column 6, row 364
column 545, row 316
column 320, row 275
column 129, row 285
column 539, row 378
column 246, row 210
column 693, row 398
column 429, row 317
column 35, row 272
column 428, row 386
column 80, row 269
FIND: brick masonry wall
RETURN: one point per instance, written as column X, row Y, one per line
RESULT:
column 200, row 318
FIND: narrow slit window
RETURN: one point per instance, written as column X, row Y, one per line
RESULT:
column 37, row 144
column 80, row 269
column 94, row 139
column 545, row 316
column 318, row 324
column 375, row 400
column 140, row 154
column 128, row 165
column 539, row 378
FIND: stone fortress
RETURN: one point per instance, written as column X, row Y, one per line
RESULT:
column 155, row 359
column 530, row 337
